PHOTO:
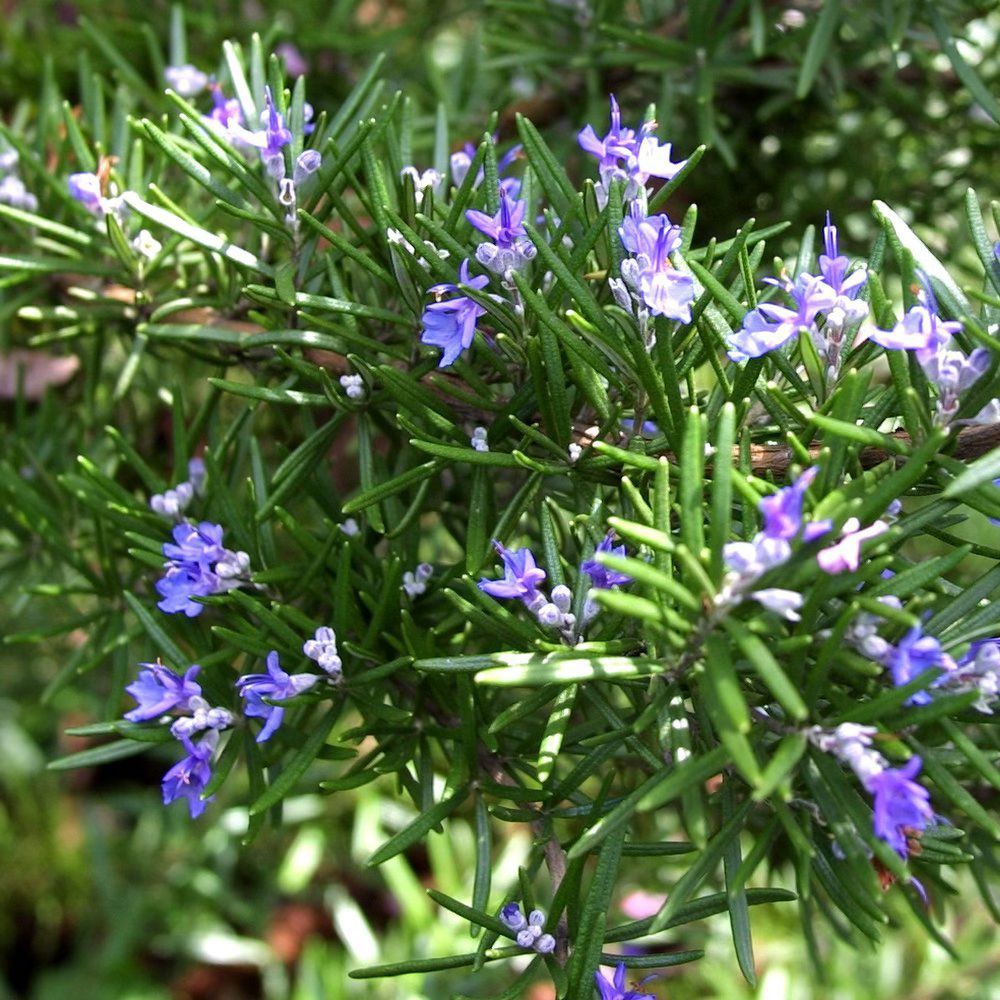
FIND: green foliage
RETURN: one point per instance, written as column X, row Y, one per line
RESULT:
column 678, row 727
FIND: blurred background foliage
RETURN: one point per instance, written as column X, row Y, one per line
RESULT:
column 805, row 106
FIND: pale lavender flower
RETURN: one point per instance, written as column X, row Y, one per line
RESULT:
column 651, row 240
column 783, row 602
column 188, row 778
column 186, row 80
column 979, row 670
column 511, row 247
column 902, row 807
column 953, row 372
column 199, row 565
column 521, row 577
column 276, row 685
column 226, row 114
column 845, row 555
column 14, row 193
column 451, row 324
column 86, row 189
column 306, row 164
column 770, row 326
column 158, row 690
column 920, row 330
column 323, row 649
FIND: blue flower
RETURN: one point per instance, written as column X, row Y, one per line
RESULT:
column 603, row 578
column 902, row 807
column 158, row 689
column 275, row 685
column 914, row 654
column 521, row 577
column 189, row 776
column 451, row 324
column 618, row 144
column 614, row 988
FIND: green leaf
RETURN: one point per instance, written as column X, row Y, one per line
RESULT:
column 296, row 765
column 416, row 830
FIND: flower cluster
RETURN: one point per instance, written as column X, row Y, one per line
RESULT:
column 522, row 577
column 649, row 273
column 415, row 582
column 158, row 691
column 528, row 930
column 930, row 338
column 902, row 808
column 198, row 565
column 627, row 155
column 833, row 293
column 174, row 502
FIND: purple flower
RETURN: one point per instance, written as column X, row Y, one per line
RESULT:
column 782, row 511
column 226, row 114
column 86, row 189
column 783, row 602
column 451, row 324
column 920, row 330
column 189, row 776
column 914, row 654
column 158, row 689
column 512, row 916
column 462, row 160
column 618, row 144
column 770, row 326
column 651, row 240
column 504, row 228
column 199, row 565
column 603, row 578
column 845, row 555
column 276, row 685
column 521, row 576
column 902, row 806
column 186, row 80
column 614, row 988
column 833, row 267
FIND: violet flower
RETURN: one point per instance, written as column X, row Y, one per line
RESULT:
column 845, row 556
column 601, row 577
column 86, row 189
column 619, row 143
column 902, row 807
column 614, row 988
column 651, row 239
column 158, row 690
column 833, row 267
column 920, row 330
column 912, row 656
column 451, row 324
column 188, row 778
column 782, row 511
column 511, row 248
column 276, row 685
column 520, row 580
column 770, row 326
